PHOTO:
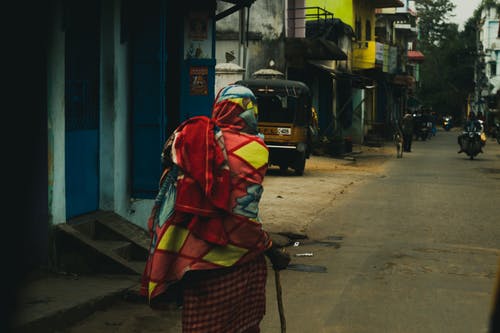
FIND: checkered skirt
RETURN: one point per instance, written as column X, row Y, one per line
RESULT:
column 225, row 301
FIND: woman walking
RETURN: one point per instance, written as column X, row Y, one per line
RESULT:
column 208, row 243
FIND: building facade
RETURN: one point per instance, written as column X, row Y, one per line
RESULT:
column 121, row 76
column 487, row 74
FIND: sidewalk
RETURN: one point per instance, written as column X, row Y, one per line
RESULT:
column 52, row 301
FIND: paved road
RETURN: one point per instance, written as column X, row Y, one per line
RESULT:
column 418, row 251
column 408, row 247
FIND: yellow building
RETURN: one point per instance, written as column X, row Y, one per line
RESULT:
column 360, row 15
column 371, row 104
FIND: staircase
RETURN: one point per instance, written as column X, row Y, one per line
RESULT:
column 376, row 134
column 103, row 241
column 373, row 140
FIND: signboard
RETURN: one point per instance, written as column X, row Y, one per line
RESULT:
column 393, row 59
column 198, row 80
column 379, row 53
column 385, row 67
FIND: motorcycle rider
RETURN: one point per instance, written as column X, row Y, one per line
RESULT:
column 480, row 116
column 471, row 125
column 434, row 118
column 428, row 121
column 446, row 121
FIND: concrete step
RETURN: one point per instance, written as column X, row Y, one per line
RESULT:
column 114, row 246
column 108, row 234
column 124, row 228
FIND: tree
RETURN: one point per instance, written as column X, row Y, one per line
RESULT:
column 447, row 75
column 433, row 21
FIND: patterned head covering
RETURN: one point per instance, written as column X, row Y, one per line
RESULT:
column 235, row 107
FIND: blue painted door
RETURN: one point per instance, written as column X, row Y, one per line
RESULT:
column 82, row 107
column 149, row 58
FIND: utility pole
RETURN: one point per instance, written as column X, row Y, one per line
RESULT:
column 243, row 37
column 480, row 78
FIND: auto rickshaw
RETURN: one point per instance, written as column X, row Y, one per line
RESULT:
column 286, row 121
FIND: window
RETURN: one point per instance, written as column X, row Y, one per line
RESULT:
column 358, row 29
column 274, row 109
column 368, row 30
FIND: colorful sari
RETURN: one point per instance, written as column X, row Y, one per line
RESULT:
column 205, row 217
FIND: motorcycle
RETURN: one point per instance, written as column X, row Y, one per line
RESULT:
column 446, row 123
column 471, row 143
column 423, row 130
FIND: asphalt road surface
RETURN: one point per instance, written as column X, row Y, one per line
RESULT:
column 398, row 245
column 418, row 252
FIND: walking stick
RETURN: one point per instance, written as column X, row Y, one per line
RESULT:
column 280, row 300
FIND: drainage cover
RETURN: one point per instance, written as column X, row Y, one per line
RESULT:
column 323, row 243
column 334, row 238
column 307, row 268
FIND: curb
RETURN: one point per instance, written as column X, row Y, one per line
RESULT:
column 61, row 319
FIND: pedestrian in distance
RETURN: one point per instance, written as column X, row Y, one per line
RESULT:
column 407, row 128
column 208, row 245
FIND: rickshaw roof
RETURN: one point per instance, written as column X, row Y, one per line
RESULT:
column 276, row 86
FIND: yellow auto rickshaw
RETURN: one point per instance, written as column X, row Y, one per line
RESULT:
column 286, row 121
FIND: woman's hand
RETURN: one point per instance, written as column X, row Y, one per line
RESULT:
column 278, row 257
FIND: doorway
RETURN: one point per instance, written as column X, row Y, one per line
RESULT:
column 82, row 106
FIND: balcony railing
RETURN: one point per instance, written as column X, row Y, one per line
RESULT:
column 297, row 17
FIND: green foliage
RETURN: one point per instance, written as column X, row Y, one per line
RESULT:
column 433, row 20
column 447, row 75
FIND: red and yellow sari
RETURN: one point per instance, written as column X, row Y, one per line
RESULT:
column 212, row 229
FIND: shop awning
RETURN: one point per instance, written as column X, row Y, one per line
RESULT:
column 323, row 65
column 415, row 56
column 357, row 81
column 387, row 3
column 404, row 80
column 313, row 48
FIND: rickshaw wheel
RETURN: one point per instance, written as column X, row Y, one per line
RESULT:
column 283, row 168
column 300, row 164
column 299, row 172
